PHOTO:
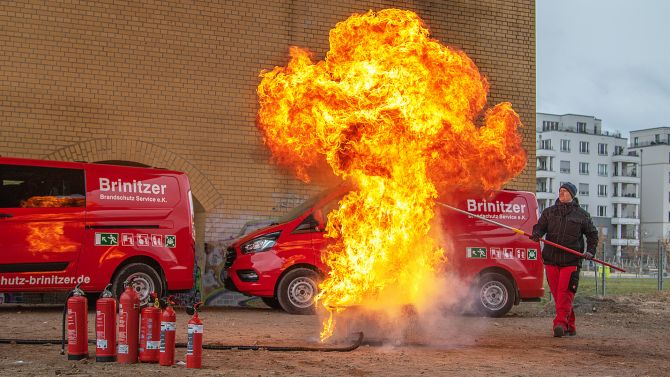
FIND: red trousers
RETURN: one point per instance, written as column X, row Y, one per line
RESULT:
column 559, row 279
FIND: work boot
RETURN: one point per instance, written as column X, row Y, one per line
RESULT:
column 559, row 331
column 572, row 331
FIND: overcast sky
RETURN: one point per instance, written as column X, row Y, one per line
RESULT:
column 606, row 58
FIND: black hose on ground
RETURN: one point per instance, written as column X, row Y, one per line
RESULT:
column 349, row 348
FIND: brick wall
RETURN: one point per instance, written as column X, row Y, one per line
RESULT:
column 172, row 84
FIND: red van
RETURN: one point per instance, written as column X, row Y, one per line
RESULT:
column 282, row 263
column 64, row 223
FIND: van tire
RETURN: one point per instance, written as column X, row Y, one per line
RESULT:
column 495, row 295
column 272, row 302
column 297, row 290
column 144, row 279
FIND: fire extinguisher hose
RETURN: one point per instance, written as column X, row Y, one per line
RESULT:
column 348, row 348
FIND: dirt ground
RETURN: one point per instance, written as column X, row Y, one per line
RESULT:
column 626, row 336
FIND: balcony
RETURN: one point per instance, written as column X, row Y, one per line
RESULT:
column 631, row 158
column 539, row 152
column 624, row 242
column 544, row 173
column 626, row 199
column 626, row 178
column 625, row 221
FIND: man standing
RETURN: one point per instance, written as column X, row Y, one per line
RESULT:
column 566, row 224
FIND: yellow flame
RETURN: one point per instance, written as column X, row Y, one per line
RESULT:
column 393, row 111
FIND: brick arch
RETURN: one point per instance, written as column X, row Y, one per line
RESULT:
column 144, row 153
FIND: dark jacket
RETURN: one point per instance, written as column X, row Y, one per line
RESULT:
column 566, row 224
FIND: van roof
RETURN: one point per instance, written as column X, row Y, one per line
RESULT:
column 74, row 164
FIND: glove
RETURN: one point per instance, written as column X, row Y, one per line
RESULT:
column 588, row 255
column 535, row 237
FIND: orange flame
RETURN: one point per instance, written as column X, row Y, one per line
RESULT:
column 393, row 111
column 49, row 237
column 52, row 202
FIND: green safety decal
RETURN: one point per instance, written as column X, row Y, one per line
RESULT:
column 170, row 241
column 476, row 252
column 106, row 239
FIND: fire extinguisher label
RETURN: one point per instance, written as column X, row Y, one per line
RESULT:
column 71, row 327
column 168, row 326
column 197, row 329
column 101, row 343
column 153, row 345
column 123, row 336
column 123, row 348
column 189, row 343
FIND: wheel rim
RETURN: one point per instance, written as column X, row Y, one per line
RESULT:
column 493, row 296
column 143, row 285
column 301, row 292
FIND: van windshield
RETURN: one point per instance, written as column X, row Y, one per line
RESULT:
column 306, row 205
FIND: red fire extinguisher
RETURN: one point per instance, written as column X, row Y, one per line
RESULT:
column 129, row 317
column 168, row 329
column 77, row 325
column 194, row 343
column 150, row 332
column 105, row 326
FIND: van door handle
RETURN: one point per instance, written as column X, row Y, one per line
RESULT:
column 5, row 215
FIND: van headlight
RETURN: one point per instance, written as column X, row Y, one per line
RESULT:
column 259, row 244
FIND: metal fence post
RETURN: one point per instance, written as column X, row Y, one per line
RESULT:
column 661, row 264
column 603, row 274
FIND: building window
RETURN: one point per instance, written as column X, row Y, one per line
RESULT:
column 565, row 145
column 545, row 144
column 602, row 190
column 565, row 166
column 602, row 211
column 584, row 147
column 636, row 140
column 581, row 127
column 602, row 149
column 549, row 125
column 618, row 150
column 602, row 170
column 657, row 138
column 584, row 189
column 584, row 168
column 585, row 207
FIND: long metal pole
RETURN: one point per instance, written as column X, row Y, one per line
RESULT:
column 528, row 235
column 604, row 274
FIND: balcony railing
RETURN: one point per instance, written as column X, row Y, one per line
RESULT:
column 624, row 153
column 647, row 143
column 632, row 174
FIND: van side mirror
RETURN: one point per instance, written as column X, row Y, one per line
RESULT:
column 320, row 221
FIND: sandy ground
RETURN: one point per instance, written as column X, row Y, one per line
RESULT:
column 628, row 336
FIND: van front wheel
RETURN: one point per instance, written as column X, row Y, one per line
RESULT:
column 297, row 290
column 496, row 295
column 143, row 278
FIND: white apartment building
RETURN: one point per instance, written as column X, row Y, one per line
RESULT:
column 653, row 146
column 574, row 148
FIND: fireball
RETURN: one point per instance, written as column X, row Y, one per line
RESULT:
column 393, row 111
